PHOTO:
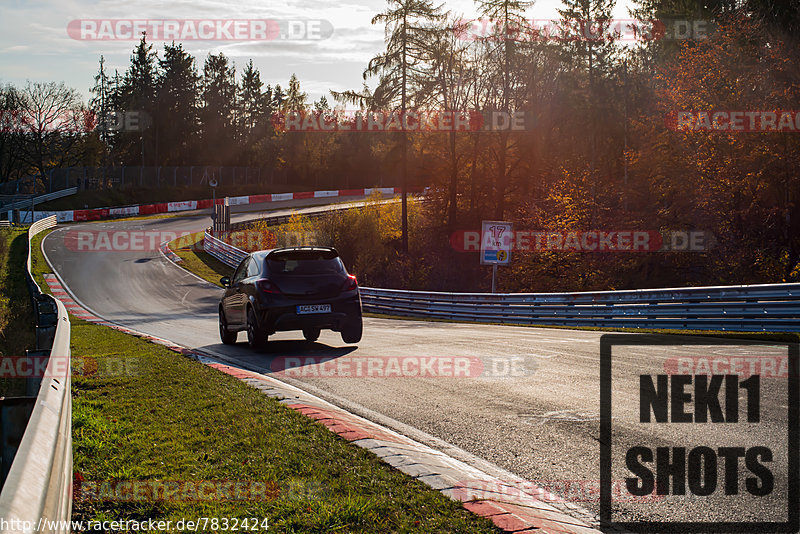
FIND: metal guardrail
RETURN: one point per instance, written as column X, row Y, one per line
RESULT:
column 37, row 491
column 21, row 204
column 750, row 308
column 746, row 308
column 227, row 254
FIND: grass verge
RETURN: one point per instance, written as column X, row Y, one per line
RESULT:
column 146, row 415
column 17, row 323
column 168, row 418
column 209, row 268
column 198, row 261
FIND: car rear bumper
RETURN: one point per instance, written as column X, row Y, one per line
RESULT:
column 285, row 317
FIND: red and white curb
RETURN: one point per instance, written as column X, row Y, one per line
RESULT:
column 168, row 253
column 79, row 312
column 512, row 505
column 98, row 214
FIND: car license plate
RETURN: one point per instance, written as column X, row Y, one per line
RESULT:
column 314, row 308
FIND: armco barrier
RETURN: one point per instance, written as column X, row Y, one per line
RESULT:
column 747, row 308
column 20, row 204
column 38, row 486
column 750, row 308
column 98, row 214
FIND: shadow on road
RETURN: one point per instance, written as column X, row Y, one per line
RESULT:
column 298, row 354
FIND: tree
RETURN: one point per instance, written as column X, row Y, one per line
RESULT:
column 295, row 98
column 136, row 92
column 100, row 104
column 10, row 161
column 54, row 122
column 450, row 81
column 509, row 19
column 589, row 50
column 408, row 26
column 219, row 104
column 178, row 88
column 321, row 105
column 251, row 100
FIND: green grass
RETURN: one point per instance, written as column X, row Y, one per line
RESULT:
column 39, row 266
column 171, row 418
column 199, row 262
column 17, row 323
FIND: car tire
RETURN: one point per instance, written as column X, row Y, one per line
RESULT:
column 311, row 334
column 351, row 331
column 227, row 337
column 256, row 336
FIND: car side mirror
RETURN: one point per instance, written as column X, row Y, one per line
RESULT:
column 225, row 281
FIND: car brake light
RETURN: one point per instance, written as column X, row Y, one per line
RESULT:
column 350, row 283
column 267, row 286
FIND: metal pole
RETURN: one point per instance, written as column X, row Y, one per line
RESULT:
column 494, row 278
column 625, row 153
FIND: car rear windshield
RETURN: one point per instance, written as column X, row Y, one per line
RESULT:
column 305, row 262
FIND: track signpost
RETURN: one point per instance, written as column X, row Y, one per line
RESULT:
column 496, row 243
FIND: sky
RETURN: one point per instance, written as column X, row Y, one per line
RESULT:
column 35, row 43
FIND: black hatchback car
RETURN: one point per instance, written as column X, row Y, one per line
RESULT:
column 297, row 288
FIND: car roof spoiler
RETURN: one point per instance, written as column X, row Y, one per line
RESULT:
column 270, row 252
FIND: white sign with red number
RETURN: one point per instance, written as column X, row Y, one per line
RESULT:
column 496, row 242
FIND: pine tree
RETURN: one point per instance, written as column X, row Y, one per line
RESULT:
column 218, row 111
column 177, row 101
column 295, row 98
column 251, row 99
column 136, row 92
column 321, row 105
column 100, row 103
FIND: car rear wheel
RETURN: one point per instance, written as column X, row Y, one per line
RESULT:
column 311, row 334
column 227, row 337
column 351, row 331
column 256, row 336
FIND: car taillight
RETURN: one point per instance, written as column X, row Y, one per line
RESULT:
column 351, row 283
column 267, row 286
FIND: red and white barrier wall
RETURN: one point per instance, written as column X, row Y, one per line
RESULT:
column 187, row 205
